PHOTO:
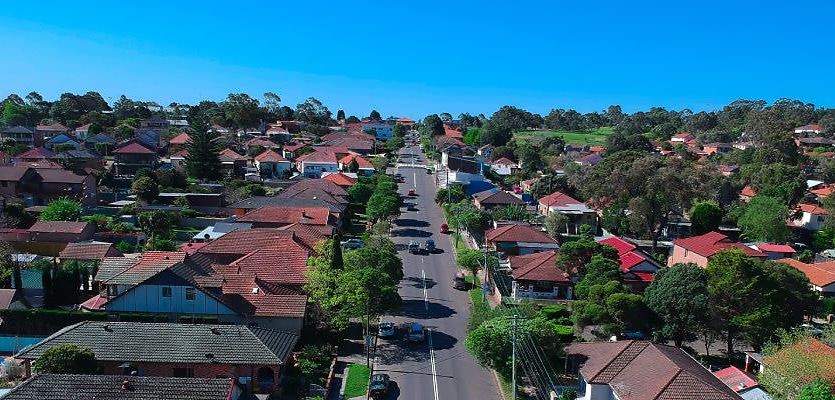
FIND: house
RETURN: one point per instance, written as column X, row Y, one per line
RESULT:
column 743, row 383
column 633, row 370
column 63, row 140
column 23, row 135
column 291, row 150
column 576, row 212
column 589, row 160
column 276, row 217
column 504, row 167
column 148, row 137
column 340, row 178
column 519, row 240
column 101, row 143
column 814, row 142
column 526, row 185
column 232, row 164
column 51, row 130
column 747, row 193
column 58, row 183
column 332, row 189
column 256, row 357
column 266, row 143
column 535, row 276
column 61, row 231
column 382, row 130
column 178, row 143
column 244, row 206
column 35, row 154
column 88, row 251
column 682, row 138
column 271, row 164
column 278, row 134
column 775, row 251
column 700, row 249
column 638, row 267
column 314, row 164
column 363, row 166
column 575, row 147
column 717, row 147
column 486, row 151
column 492, row 198
column 14, row 181
column 83, row 387
column 808, row 128
column 812, row 217
column 131, row 156
column 31, row 292
column 79, row 160
column 821, row 275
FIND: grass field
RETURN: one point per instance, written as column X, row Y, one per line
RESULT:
column 594, row 137
column 356, row 384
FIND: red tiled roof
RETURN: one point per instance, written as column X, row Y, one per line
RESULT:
column 517, row 233
column 776, row 248
column 231, row 155
column 95, row 303
column 812, row 209
column 318, row 157
column 558, row 199
column 54, row 175
column 736, row 378
column 271, row 265
column 294, row 146
column 340, row 179
column 826, row 191
column 88, row 251
column 638, row 370
column 712, row 242
column 36, row 153
column 270, row 156
column 182, row 153
column 58, row 227
column 260, row 142
column 808, row 127
column 748, row 191
column 819, row 274
column 621, row 245
column 628, row 257
column 684, row 135
column 53, row 127
column 597, row 149
column 538, row 267
column 191, row 248
column 322, row 184
column 180, row 139
column 288, row 215
column 133, row 148
column 310, row 233
column 244, row 241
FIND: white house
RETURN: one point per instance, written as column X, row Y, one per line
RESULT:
column 504, row 166
column 812, row 217
column 272, row 164
column 314, row 164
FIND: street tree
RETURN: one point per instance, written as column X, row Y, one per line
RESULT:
column 66, row 359
column 399, row 130
column 678, row 295
column 432, row 126
column 62, row 209
column 473, row 261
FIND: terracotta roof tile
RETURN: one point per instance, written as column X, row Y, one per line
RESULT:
column 270, row 156
column 558, row 199
column 819, row 274
column 133, row 148
column 180, row 140
column 288, row 215
column 58, row 227
column 88, row 251
column 712, row 242
column 518, row 233
column 540, row 266
column 340, row 179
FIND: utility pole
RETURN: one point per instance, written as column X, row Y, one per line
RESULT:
column 484, row 284
column 513, row 360
column 368, row 332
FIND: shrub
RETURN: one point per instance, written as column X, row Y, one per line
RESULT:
column 125, row 247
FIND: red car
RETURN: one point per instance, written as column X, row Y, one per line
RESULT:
column 411, row 192
column 444, row 228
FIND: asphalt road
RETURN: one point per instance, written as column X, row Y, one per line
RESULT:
column 440, row 367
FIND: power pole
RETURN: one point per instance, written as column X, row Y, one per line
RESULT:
column 513, row 359
column 367, row 332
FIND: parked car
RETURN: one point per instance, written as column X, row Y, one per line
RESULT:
column 429, row 245
column 811, row 330
column 459, row 281
column 378, row 386
column 414, row 247
column 828, row 253
column 386, row 330
column 352, row 244
column 415, row 332
column 411, row 207
column 444, row 228
column 412, row 192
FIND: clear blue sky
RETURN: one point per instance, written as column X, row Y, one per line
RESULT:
column 413, row 58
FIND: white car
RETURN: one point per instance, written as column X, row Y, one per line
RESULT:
column 828, row 253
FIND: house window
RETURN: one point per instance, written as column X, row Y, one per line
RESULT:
column 190, row 293
column 166, row 291
column 183, row 372
column 5, row 184
column 820, row 218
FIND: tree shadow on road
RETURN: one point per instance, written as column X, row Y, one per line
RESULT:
column 412, row 222
column 393, row 352
column 413, row 232
column 417, row 308
column 417, row 282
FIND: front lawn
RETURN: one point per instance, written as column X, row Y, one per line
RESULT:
column 356, row 384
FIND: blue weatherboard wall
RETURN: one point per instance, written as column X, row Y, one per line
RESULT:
column 13, row 344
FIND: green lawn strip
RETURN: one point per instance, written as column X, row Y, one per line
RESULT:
column 356, row 384
column 593, row 137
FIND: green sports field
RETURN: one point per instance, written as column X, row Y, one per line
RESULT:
column 592, row 138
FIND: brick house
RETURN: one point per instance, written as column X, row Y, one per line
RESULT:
column 535, row 276
column 255, row 357
column 132, row 156
column 518, row 239
column 58, row 183
column 23, row 135
column 58, row 386
column 276, row 217
column 577, row 212
column 700, row 249
column 638, row 267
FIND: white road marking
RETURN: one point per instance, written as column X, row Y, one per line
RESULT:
column 414, row 176
column 425, row 295
column 432, row 361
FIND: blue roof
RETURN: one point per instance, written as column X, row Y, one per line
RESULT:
column 478, row 186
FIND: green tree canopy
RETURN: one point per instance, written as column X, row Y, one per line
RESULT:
column 203, row 160
column 678, row 295
column 66, row 359
column 764, row 219
column 63, row 209
column 145, row 189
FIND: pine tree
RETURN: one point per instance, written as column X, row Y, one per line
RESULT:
column 203, row 161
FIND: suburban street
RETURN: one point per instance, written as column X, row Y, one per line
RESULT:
column 440, row 367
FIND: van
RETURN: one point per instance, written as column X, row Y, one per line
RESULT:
column 459, row 281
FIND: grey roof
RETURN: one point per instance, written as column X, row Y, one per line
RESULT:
column 112, row 266
column 89, row 387
column 267, row 201
column 173, row 343
column 18, row 129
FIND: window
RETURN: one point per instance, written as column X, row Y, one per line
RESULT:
column 166, row 291
column 5, row 184
column 190, row 293
column 183, row 372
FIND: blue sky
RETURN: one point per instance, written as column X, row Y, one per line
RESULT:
column 413, row 58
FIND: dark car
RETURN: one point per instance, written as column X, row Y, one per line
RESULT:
column 415, row 332
column 378, row 386
column 459, row 281
column 429, row 245
column 414, row 247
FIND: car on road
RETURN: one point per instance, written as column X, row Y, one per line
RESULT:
column 412, row 192
column 352, row 244
column 386, row 330
column 414, row 247
column 429, row 245
column 444, row 228
column 415, row 332
column 378, row 386
column 828, row 253
column 411, row 207
column 459, row 281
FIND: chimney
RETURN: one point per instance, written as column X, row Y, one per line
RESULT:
column 304, row 214
column 126, row 385
column 215, row 331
